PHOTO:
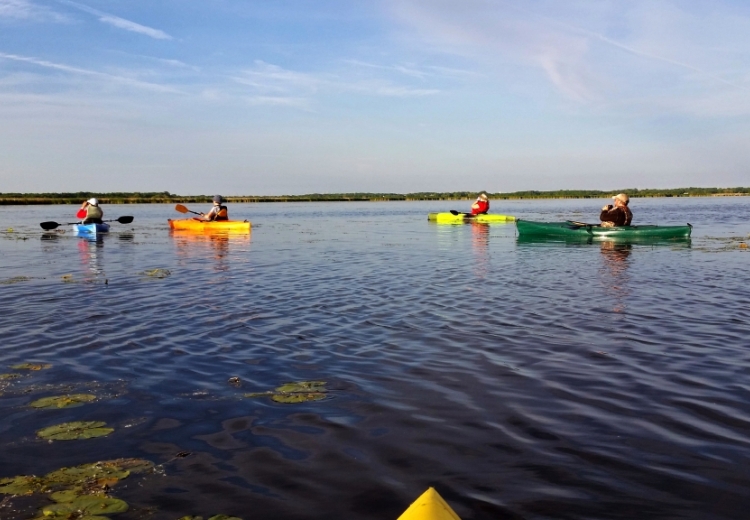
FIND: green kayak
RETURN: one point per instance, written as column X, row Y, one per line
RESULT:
column 581, row 229
column 450, row 218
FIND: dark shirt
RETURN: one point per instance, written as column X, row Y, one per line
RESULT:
column 618, row 216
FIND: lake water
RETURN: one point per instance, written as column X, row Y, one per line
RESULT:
column 521, row 380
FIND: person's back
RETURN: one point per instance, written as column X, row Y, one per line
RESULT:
column 481, row 206
column 617, row 215
column 94, row 213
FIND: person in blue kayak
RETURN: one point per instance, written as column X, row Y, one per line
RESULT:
column 218, row 212
column 93, row 213
column 481, row 205
column 617, row 215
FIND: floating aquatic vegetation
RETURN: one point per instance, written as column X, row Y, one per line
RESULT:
column 87, row 506
column 80, row 491
column 15, row 279
column 63, row 401
column 67, row 278
column 8, row 377
column 31, row 366
column 21, row 485
column 75, row 430
column 156, row 273
column 298, row 392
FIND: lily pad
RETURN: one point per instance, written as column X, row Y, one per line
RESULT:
column 298, row 397
column 299, row 392
column 66, row 495
column 75, row 430
column 302, row 386
column 8, row 377
column 87, row 506
column 63, row 401
column 21, row 485
column 15, row 279
column 156, row 273
column 31, row 366
column 85, row 475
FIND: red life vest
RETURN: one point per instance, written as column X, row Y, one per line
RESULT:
column 480, row 206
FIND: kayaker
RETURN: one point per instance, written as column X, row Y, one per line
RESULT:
column 94, row 213
column 481, row 206
column 218, row 212
column 617, row 215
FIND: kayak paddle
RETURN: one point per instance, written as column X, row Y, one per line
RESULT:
column 53, row 225
column 457, row 213
column 81, row 213
column 183, row 209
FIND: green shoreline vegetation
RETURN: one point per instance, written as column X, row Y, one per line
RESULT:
column 11, row 199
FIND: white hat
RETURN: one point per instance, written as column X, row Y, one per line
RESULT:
column 93, row 202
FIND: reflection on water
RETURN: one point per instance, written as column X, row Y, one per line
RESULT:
column 480, row 241
column 614, row 274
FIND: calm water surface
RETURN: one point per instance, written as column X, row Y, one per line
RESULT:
column 522, row 380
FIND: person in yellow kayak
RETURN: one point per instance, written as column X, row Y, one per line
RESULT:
column 617, row 215
column 481, row 205
column 218, row 212
column 90, row 212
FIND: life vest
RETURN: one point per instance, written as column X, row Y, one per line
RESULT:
column 221, row 214
column 480, row 206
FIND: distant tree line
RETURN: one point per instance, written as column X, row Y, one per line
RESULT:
column 165, row 197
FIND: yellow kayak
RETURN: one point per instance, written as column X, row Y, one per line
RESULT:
column 429, row 506
column 450, row 218
column 222, row 226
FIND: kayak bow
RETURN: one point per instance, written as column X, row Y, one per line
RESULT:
column 429, row 506
column 90, row 229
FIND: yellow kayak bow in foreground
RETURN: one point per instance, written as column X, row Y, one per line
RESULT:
column 429, row 506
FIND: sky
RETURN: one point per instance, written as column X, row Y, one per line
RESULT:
column 330, row 96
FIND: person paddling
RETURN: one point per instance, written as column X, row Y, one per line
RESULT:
column 93, row 213
column 481, row 206
column 619, row 215
column 218, row 212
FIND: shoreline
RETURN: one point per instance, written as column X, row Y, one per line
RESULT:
column 23, row 199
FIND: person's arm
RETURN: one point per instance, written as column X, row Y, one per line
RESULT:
column 608, row 214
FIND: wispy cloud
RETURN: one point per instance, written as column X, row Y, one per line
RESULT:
column 26, row 10
column 91, row 73
column 267, row 78
column 120, row 23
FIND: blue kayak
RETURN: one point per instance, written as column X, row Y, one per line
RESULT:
column 90, row 229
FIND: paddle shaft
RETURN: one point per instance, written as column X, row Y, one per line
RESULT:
column 54, row 225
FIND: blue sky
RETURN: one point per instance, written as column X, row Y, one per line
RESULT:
column 287, row 97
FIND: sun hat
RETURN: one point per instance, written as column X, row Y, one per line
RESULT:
column 624, row 198
column 218, row 199
column 93, row 202
column 483, row 196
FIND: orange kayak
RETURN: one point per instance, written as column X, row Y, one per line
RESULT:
column 222, row 226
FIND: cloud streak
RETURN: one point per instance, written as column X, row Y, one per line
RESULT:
column 90, row 73
column 120, row 23
column 25, row 10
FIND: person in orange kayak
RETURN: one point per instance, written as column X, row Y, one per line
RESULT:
column 93, row 213
column 481, row 206
column 617, row 215
column 218, row 212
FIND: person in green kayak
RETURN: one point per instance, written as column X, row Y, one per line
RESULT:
column 93, row 213
column 218, row 212
column 617, row 215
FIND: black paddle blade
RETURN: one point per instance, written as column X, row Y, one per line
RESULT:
column 454, row 212
column 125, row 220
column 49, row 225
